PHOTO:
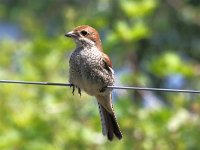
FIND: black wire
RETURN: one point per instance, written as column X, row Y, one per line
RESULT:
column 112, row 87
column 37, row 83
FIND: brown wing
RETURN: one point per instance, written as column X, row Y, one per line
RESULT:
column 108, row 63
column 107, row 60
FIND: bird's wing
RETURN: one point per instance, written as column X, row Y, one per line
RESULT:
column 108, row 63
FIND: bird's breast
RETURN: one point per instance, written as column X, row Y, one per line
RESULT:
column 87, row 71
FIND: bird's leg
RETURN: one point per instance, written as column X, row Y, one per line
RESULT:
column 73, row 88
column 103, row 89
column 79, row 91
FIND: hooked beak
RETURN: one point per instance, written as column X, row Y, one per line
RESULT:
column 70, row 34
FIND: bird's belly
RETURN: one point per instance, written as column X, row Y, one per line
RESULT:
column 88, row 81
column 92, row 89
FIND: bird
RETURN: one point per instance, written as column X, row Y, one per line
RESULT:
column 90, row 70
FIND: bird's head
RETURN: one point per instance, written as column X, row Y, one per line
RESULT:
column 85, row 36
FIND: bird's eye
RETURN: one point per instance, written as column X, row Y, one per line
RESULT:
column 84, row 33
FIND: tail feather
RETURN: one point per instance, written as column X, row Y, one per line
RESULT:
column 109, row 123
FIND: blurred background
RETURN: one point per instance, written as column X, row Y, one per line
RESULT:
column 152, row 43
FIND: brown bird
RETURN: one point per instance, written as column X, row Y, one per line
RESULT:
column 91, row 70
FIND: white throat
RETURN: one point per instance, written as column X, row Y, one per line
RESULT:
column 84, row 42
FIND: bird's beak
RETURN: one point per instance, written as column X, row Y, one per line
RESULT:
column 71, row 34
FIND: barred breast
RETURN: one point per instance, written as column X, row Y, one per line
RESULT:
column 87, row 70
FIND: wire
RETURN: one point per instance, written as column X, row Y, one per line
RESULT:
column 154, row 89
column 37, row 83
column 112, row 87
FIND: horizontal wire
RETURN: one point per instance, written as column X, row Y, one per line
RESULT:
column 37, row 83
column 153, row 89
column 112, row 87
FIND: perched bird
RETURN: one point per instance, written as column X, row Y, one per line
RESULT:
column 91, row 70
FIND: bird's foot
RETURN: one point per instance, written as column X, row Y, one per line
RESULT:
column 73, row 88
column 79, row 91
column 103, row 89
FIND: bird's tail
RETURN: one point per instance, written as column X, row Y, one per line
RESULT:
column 109, row 124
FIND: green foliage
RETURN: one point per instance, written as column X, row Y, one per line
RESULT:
column 152, row 39
column 171, row 63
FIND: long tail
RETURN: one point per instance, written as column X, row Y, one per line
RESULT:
column 109, row 123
